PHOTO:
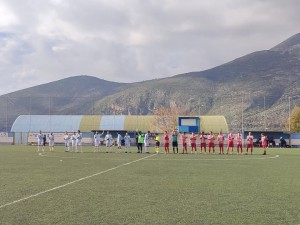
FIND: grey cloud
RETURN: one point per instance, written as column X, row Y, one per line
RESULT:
column 135, row 40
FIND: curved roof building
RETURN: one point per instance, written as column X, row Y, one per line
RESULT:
column 87, row 123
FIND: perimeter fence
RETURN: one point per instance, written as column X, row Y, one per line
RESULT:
column 243, row 112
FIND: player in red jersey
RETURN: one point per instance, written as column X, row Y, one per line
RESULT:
column 220, row 139
column 249, row 143
column 193, row 139
column 166, row 143
column 203, row 138
column 239, row 143
column 211, row 142
column 184, row 143
column 264, row 143
column 230, row 142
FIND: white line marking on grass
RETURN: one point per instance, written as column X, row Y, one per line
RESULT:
column 73, row 182
column 219, row 159
column 72, row 157
column 162, row 159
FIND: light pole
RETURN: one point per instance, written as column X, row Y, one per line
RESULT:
column 289, row 120
column 29, row 113
column 6, row 114
column 190, row 101
column 242, row 115
column 289, row 114
column 265, row 113
column 50, row 113
column 242, row 131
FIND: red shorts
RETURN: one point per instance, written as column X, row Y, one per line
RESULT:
column 249, row 145
column 184, row 145
column 166, row 145
column 264, row 146
column 221, row 145
column 230, row 144
column 211, row 145
column 193, row 145
column 203, row 145
column 239, row 145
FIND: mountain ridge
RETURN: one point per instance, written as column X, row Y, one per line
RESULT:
column 288, row 44
column 76, row 82
column 259, row 83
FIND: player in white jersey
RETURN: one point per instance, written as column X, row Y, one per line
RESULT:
column 97, row 137
column 146, row 142
column 40, row 141
column 119, row 141
column 78, row 141
column 51, row 142
column 127, row 143
column 108, row 141
column 73, row 141
column 67, row 139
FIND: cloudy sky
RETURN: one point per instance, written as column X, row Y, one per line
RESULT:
column 133, row 40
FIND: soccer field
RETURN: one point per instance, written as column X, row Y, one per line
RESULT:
column 109, row 188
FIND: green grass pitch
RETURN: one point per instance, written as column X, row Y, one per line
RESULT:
column 109, row 188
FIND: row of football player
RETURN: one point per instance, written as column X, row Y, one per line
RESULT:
column 211, row 138
column 143, row 139
column 74, row 141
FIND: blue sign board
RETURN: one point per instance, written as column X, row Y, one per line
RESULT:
column 188, row 124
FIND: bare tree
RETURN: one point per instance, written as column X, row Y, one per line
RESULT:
column 294, row 120
column 167, row 118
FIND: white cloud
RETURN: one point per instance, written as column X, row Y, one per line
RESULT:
column 132, row 40
column 8, row 18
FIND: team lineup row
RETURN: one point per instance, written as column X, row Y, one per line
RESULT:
column 211, row 138
column 143, row 140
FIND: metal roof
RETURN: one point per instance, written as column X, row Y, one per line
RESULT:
column 86, row 123
column 47, row 123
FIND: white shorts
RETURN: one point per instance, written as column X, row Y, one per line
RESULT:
column 146, row 143
column 51, row 143
column 127, row 144
column 108, row 143
column 96, row 143
column 40, row 142
column 78, row 142
column 67, row 143
column 73, row 143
